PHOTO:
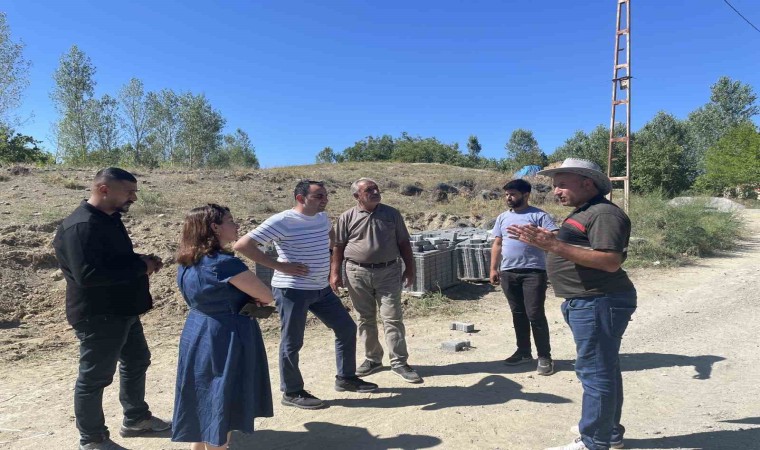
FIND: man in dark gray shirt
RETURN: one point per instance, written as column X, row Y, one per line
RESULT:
column 371, row 236
column 584, row 267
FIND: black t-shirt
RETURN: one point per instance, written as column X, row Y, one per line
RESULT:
column 598, row 225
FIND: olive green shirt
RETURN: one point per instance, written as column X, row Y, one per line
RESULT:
column 371, row 237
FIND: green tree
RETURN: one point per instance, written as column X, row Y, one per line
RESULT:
column 473, row 146
column 73, row 91
column 371, row 149
column 417, row 149
column 523, row 149
column 592, row 146
column 164, row 123
column 18, row 148
column 327, row 155
column 238, row 151
column 199, row 138
column 659, row 161
column 734, row 160
column 731, row 103
column 14, row 71
column 735, row 99
column 105, row 123
column 134, row 110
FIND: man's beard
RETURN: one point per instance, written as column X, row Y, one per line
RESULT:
column 124, row 208
column 516, row 203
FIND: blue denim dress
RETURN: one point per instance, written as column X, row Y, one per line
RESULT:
column 222, row 372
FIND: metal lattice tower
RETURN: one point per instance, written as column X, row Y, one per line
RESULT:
column 621, row 96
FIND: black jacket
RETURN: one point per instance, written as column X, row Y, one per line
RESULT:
column 103, row 273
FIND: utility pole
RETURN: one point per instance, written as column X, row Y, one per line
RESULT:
column 621, row 96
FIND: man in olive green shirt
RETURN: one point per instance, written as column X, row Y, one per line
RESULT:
column 370, row 237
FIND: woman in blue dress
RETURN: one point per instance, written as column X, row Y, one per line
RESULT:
column 222, row 373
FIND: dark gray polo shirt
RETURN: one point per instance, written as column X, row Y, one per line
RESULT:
column 371, row 237
column 598, row 225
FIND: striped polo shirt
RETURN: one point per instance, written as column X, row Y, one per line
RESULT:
column 298, row 238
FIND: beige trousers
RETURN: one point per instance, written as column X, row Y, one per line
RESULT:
column 378, row 289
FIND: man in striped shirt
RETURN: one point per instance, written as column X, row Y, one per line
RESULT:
column 302, row 237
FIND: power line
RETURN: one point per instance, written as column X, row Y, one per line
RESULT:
column 740, row 15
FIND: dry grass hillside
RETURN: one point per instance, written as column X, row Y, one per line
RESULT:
column 32, row 204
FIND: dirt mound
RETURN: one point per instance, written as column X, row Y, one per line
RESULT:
column 439, row 221
column 32, row 289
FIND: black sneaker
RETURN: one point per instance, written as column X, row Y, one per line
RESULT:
column 407, row 374
column 353, row 384
column 545, row 366
column 302, row 399
column 368, row 367
column 105, row 444
column 518, row 358
column 149, row 425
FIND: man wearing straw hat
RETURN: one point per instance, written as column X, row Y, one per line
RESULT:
column 584, row 266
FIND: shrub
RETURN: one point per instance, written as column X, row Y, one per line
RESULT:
column 434, row 302
column 68, row 183
column 150, row 202
column 666, row 234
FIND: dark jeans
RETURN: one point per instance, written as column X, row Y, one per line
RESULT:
column 598, row 324
column 292, row 305
column 526, row 294
column 104, row 340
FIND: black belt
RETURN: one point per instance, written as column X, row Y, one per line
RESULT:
column 373, row 265
column 516, row 270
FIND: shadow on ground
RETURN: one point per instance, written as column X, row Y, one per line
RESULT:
column 703, row 364
column 322, row 435
column 491, row 390
column 629, row 362
column 9, row 324
column 469, row 291
column 487, row 367
column 709, row 440
column 748, row 420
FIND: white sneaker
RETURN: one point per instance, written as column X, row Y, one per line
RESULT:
column 577, row 444
column 617, row 444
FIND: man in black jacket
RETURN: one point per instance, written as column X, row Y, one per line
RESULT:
column 106, row 291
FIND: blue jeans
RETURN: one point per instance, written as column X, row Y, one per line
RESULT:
column 292, row 305
column 104, row 340
column 598, row 324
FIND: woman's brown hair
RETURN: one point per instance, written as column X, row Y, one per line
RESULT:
column 198, row 239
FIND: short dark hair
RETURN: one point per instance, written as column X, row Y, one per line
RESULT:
column 518, row 185
column 114, row 174
column 302, row 188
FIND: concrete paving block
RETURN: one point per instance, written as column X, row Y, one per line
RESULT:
column 463, row 326
column 455, row 346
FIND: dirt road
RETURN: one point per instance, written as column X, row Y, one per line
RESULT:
column 688, row 358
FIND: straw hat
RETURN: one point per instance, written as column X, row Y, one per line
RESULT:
column 583, row 167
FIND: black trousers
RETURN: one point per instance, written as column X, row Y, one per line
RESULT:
column 105, row 340
column 526, row 293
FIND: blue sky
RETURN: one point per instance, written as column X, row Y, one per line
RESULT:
column 299, row 76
